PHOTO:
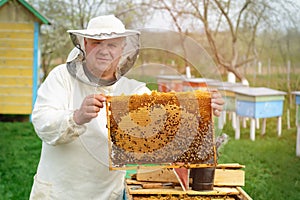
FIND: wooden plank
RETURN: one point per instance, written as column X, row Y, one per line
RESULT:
column 230, row 166
column 15, row 99
column 156, row 175
column 17, row 34
column 15, row 81
column 298, row 141
column 16, row 12
column 223, row 177
column 11, row 90
column 229, row 177
column 16, row 43
column 259, row 98
column 16, row 26
column 133, row 189
column 13, row 62
column 15, row 109
column 163, row 165
column 243, row 194
column 18, row 71
column 298, row 114
column 167, row 197
column 16, row 53
column 257, row 91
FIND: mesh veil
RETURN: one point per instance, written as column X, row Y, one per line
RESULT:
column 76, row 62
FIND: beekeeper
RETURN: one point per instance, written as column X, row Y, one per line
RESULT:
column 69, row 117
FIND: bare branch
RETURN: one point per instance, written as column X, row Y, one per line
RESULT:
column 237, row 26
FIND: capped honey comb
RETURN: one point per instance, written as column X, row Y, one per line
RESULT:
column 160, row 128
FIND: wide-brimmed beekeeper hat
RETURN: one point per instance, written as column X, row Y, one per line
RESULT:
column 102, row 28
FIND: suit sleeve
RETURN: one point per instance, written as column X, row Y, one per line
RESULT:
column 52, row 117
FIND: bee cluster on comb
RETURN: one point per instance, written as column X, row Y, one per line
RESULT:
column 160, row 128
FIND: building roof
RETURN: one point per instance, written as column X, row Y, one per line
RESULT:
column 31, row 9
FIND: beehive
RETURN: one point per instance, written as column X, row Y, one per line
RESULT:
column 20, row 27
column 161, row 128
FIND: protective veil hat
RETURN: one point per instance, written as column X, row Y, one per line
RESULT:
column 102, row 28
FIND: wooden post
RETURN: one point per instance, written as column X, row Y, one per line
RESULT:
column 297, row 99
column 224, row 115
column 257, row 123
column 264, row 124
column 244, row 120
column 279, row 125
column 221, row 120
column 298, row 141
column 237, row 129
column 259, row 65
column 254, row 73
column 252, row 129
column 233, row 120
column 269, row 71
column 298, row 131
column 288, row 119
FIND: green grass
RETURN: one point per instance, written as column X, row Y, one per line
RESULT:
column 272, row 168
column 20, row 151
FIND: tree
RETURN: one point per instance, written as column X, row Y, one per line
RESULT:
column 75, row 14
column 230, row 27
column 63, row 15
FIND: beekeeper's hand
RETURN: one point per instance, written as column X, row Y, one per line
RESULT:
column 89, row 108
column 217, row 102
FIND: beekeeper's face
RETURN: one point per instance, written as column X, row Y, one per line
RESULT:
column 102, row 56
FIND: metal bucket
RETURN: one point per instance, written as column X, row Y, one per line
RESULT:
column 203, row 178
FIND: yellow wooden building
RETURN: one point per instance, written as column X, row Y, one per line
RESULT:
column 19, row 55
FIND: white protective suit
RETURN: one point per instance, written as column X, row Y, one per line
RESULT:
column 74, row 158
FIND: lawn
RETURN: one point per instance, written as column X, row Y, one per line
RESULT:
column 20, row 151
column 272, row 168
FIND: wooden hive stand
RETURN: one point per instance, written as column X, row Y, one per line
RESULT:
column 163, row 184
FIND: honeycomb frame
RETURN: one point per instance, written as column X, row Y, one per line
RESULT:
column 169, row 129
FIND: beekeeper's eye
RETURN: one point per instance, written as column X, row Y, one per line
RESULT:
column 113, row 45
column 97, row 42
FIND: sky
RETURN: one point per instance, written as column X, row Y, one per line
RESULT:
column 163, row 19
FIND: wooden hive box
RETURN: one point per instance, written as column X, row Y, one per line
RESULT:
column 156, row 184
column 19, row 50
